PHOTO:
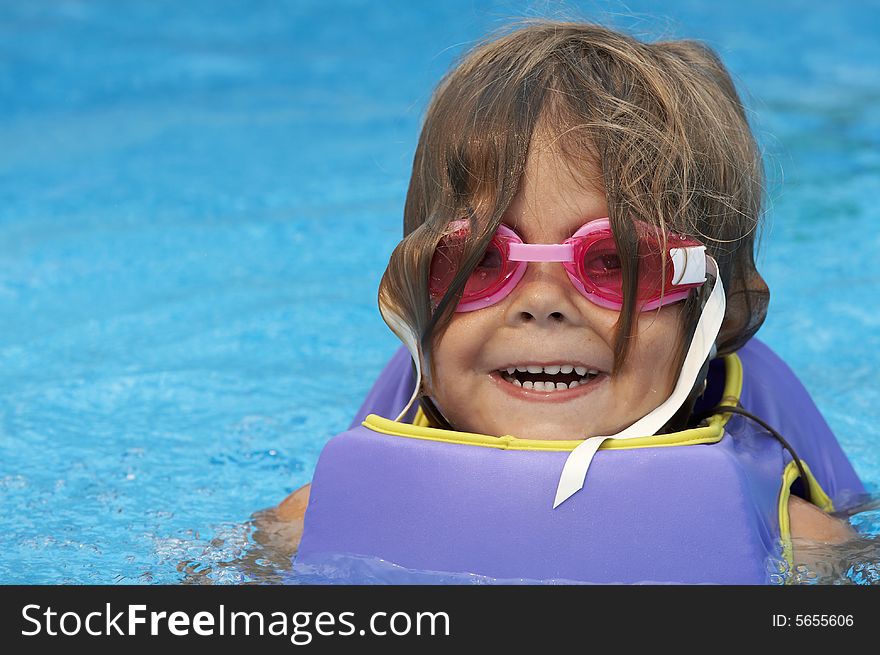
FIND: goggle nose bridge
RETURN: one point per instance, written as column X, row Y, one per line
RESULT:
column 541, row 252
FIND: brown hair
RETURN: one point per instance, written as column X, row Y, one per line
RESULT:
column 662, row 121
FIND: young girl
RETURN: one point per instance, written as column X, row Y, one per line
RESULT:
column 577, row 270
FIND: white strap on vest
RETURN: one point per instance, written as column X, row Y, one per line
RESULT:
column 575, row 470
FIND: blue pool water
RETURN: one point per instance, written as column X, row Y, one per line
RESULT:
column 174, row 177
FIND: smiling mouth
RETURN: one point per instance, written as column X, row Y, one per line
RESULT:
column 548, row 378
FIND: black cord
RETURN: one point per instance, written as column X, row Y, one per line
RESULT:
column 731, row 409
column 429, row 409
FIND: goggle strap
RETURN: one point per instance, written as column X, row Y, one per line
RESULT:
column 577, row 464
column 409, row 339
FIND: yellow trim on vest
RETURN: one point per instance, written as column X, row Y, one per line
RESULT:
column 817, row 496
column 712, row 433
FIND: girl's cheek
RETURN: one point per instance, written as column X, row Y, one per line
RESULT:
column 460, row 343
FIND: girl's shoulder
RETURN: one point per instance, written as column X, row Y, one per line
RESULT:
column 293, row 508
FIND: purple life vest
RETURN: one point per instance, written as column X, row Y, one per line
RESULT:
column 709, row 509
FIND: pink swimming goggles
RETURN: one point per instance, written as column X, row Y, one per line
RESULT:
column 589, row 257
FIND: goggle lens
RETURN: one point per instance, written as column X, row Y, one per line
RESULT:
column 488, row 272
column 600, row 269
column 493, row 269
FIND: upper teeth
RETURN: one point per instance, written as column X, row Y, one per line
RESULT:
column 553, row 370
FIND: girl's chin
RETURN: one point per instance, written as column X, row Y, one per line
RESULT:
column 548, row 432
column 523, row 423
column 541, row 416
column 555, row 424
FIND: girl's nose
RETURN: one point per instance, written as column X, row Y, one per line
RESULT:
column 544, row 296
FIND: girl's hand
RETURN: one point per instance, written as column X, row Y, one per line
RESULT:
column 275, row 533
column 810, row 522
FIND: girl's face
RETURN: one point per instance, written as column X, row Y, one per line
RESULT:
column 546, row 322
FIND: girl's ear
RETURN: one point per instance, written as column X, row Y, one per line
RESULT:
column 747, row 300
